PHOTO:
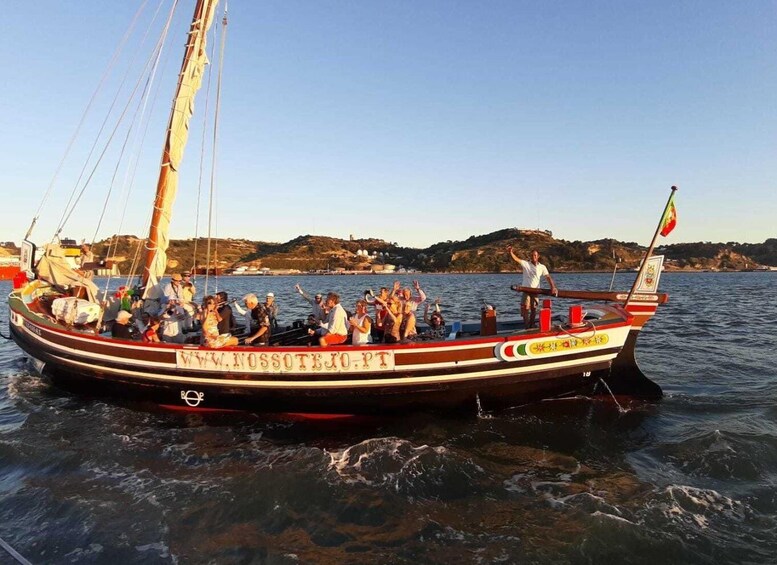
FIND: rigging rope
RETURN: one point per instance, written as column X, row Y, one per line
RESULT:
column 137, row 117
column 67, row 213
column 133, row 160
column 113, row 247
column 215, row 144
column 106, row 73
column 202, row 157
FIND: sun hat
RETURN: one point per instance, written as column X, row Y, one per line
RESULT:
column 176, row 277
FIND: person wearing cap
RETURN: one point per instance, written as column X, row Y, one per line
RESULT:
column 175, row 298
column 272, row 310
column 188, row 290
column 121, row 328
column 319, row 308
column 173, row 291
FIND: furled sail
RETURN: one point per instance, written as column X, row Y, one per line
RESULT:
column 54, row 268
column 189, row 82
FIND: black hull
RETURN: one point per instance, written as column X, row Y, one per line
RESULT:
column 625, row 378
column 495, row 394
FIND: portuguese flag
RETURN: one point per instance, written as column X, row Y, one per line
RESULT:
column 669, row 221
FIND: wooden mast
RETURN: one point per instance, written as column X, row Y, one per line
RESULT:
column 189, row 81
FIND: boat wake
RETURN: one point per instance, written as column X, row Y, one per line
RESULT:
column 419, row 472
column 386, row 461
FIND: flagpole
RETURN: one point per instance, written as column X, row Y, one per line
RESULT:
column 643, row 266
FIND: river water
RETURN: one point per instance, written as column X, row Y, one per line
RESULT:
column 690, row 479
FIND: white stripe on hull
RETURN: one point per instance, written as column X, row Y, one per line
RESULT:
column 368, row 383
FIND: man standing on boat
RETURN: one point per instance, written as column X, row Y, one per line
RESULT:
column 533, row 271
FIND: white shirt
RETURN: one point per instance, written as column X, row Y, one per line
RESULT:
column 246, row 313
column 359, row 337
column 337, row 321
column 171, row 326
column 533, row 273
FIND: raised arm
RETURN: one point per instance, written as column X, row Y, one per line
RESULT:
column 386, row 308
column 513, row 255
column 396, row 288
column 239, row 309
column 302, row 293
column 421, row 293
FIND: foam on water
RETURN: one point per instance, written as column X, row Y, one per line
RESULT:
column 381, row 461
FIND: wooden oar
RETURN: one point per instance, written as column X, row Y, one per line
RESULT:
column 593, row 294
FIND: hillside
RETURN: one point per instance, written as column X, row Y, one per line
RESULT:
column 482, row 253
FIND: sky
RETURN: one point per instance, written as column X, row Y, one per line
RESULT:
column 414, row 122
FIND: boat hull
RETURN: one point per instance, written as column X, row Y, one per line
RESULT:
column 7, row 272
column 486, row 371
column 486, row 394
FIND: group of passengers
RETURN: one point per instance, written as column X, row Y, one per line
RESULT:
column 174, row 314
column 166, row 315
column 394, row 317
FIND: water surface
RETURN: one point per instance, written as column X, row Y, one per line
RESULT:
column 690, row 479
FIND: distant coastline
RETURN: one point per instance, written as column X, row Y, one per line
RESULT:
column 310, row 254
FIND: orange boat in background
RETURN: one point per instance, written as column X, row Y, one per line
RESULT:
column 9, row 266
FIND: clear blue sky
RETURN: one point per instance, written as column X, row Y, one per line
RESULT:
column 419, row 122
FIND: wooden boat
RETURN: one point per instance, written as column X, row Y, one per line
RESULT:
column 9, row 269
column 470, row 368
